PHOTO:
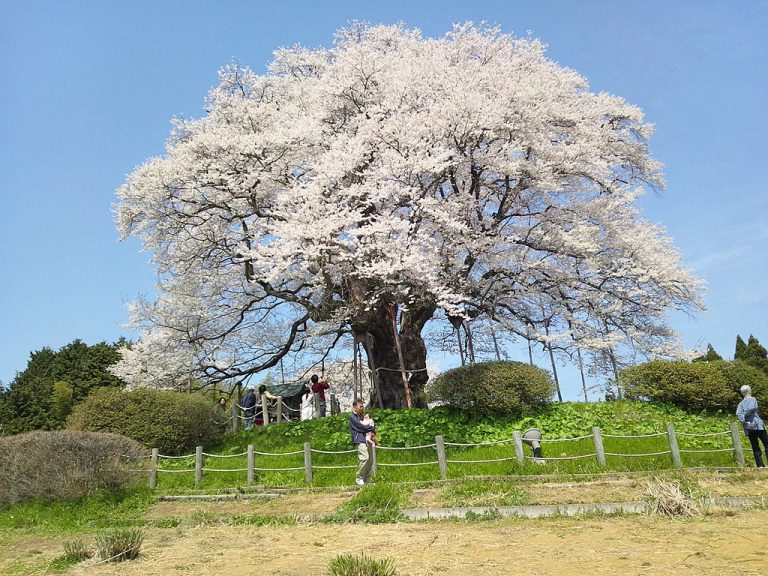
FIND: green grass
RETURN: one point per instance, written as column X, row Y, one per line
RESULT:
column 483, row 493
column 403, row 428
column 374, row 504
column 99, row 512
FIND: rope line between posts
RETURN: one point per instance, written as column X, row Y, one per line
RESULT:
column 638, row 436
column 410, row 464
column 164, row 470
column 224, row 469
column 701, row 451
column 405, row 447
column 566, row 439
column 175, row 457
column 279, row 453
column 579, row 457
column 712, row 434
column 332, row 452
column 333, row 467
column 225, row 455
column 637, row 455
column 479, row 461
column 278, row 469
column 478, row 443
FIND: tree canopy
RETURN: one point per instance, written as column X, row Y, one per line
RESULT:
column 367, row 188
column 41, row 396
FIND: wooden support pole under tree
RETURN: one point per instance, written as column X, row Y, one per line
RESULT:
column 279, row 416
column 308, row 462
column 518, row 441
column 251, row 464
column 374, row 372
column 198, row 465
column 597, row 438
column 235, row 417
column 442, row 461
column 392, row 310
column 264, row 410
column 153, row 469
column 470, row 343
column 738, row 451
column 673, row 447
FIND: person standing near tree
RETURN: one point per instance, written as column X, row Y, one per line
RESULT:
column 307, row 403
column 249, row 408
column 754, row 427
column 359, row 432
column 319, row 386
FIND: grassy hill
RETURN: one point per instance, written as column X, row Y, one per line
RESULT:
column 398, row 429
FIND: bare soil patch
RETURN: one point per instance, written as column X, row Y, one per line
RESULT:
column 712, row 545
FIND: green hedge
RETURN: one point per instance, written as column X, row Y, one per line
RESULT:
column 171, row 421
column 500, row 388
column 698, row 386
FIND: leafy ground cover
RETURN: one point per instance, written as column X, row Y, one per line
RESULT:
column 417, row 429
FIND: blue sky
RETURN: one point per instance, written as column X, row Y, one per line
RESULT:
column 89, row 88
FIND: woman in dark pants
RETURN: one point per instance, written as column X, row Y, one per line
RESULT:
column 754, row 428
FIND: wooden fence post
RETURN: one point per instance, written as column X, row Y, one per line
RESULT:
column 279, row 409
column 198, row 465
column 308, row 462
column 264, row 410
column 738, row 451
column 597, row 438
column 441, row 459
column 332, row 404
column 518, row 439
column 250, row 464
column 235, row 417
column 672, row 437
column 153, row 469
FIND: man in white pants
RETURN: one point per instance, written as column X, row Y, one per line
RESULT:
column 359, row 430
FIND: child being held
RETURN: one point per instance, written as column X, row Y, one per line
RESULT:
column 370, row 437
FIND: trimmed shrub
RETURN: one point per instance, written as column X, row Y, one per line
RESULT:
column 498, row 388
column 696, row 387
column 172, row 422
column 65, row 464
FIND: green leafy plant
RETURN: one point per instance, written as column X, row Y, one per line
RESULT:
column 511, row 388
column 120, row 545
column 696, row 386
column 351, row 565
column 172, row 422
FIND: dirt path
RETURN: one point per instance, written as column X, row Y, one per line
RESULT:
column 713, row 545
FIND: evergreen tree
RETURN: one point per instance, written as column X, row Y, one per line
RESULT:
column 756, row 354
column 741, row 349
column 710, row 356
column 42, row 395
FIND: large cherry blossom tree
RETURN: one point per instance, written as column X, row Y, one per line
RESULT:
column 368, row 188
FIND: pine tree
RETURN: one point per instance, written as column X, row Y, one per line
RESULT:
column 710, row 356
column 741, row 349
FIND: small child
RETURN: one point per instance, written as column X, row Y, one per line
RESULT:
column 370, row 437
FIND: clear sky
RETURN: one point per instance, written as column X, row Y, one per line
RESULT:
column 88, row 89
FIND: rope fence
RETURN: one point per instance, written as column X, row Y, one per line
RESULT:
column 599, row 453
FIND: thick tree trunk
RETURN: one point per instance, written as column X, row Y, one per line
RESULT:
column 382, row 354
